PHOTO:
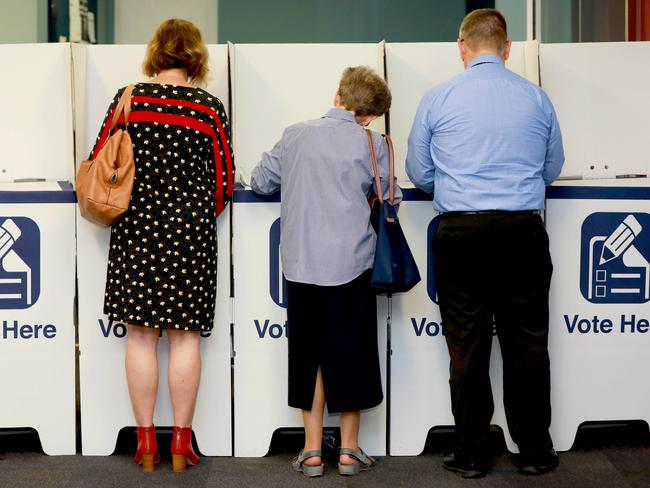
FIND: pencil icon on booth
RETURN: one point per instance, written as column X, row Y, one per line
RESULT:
column 11, row 262
column 619, row 240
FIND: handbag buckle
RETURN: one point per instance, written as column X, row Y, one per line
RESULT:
column 113, row 178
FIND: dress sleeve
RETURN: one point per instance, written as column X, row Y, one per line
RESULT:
column 223, row 167
column 103, row 132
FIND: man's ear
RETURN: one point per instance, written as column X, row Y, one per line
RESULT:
column 506, row 50
column 337, row 99
column 462, row 50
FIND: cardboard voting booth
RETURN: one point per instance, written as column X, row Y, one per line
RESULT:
column 419, row 394
column 36, row 124
column 260, row 335
column 599, row 315
column 37, row 290
column 105, row 405
column 419, row 358
column 275, row 86
column 600, row 94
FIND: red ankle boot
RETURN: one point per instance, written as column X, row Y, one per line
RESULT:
column 182, row 452
column 147, row 452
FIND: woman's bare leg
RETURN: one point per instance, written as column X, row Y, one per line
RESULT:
column 141, row 364
column 184, row 373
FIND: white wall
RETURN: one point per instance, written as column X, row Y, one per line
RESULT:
column 23, row 21
column 516, row 14
column 136, row 20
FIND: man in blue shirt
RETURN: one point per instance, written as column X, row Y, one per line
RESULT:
column 485, row 144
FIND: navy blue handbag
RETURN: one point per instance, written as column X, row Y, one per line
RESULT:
column 394, row 269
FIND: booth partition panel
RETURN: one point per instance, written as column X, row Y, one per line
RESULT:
column 275, row 86
column 105, row 406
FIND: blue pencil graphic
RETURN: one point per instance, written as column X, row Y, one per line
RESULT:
column 619, row 240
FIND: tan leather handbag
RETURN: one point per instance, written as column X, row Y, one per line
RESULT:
column 104, row 184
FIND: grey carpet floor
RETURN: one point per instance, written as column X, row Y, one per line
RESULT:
column 609, row 467
column 599, row 459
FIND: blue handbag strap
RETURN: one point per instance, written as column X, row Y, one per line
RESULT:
column 375, row 167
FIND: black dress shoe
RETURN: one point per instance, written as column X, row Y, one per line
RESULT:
column 466, row 468
column 536, row 463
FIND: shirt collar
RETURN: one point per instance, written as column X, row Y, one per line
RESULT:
column 485, row 58
column 341, row 114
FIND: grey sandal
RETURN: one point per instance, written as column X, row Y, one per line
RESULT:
column 364, row 464
column 311, row 471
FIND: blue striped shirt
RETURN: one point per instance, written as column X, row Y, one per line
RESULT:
column 324, row 169
column 487, row 139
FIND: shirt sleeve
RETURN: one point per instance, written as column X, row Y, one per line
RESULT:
column 554, row 150
column 419, row 164
column 266, row 177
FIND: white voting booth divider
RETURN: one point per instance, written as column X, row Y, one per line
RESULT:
column 36, row 123
column 419, row 368
column 419, row 357
column 599, row 341
column 599, row 316
column 37, row 281
column 105, row 406
column 37, row 287
column 600, row 94
column 275, row 86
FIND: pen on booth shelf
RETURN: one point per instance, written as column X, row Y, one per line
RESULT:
column 632, row 175
column 619, row 240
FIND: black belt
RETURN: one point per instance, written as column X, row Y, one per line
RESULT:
column 491, row 212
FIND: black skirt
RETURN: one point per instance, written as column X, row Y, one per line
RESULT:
column 334, row 327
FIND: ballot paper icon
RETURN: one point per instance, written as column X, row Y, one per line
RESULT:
column 615, row 258
column 19, row 262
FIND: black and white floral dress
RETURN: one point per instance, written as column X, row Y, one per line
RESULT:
column 162, row 261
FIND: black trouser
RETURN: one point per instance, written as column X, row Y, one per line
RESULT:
column 496, row 267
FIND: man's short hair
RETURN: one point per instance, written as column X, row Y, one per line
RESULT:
column 484, row 28
column 364, row 92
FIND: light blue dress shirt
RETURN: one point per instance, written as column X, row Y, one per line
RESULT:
column 325, row 171
column 487, row 139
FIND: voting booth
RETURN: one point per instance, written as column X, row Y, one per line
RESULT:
column 36, row 124
column 599, row 315
column 37, row 246
column 419, row 357
column 598, row 224
column 105, row 405
column 37, row 290
column 600, row 93
column 298, row 83
column 598, row 230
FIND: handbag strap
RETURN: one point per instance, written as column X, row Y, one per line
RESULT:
column 375, row 167
column 124, row 105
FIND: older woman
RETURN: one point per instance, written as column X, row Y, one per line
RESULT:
column 327, row 243
column 162, row 259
